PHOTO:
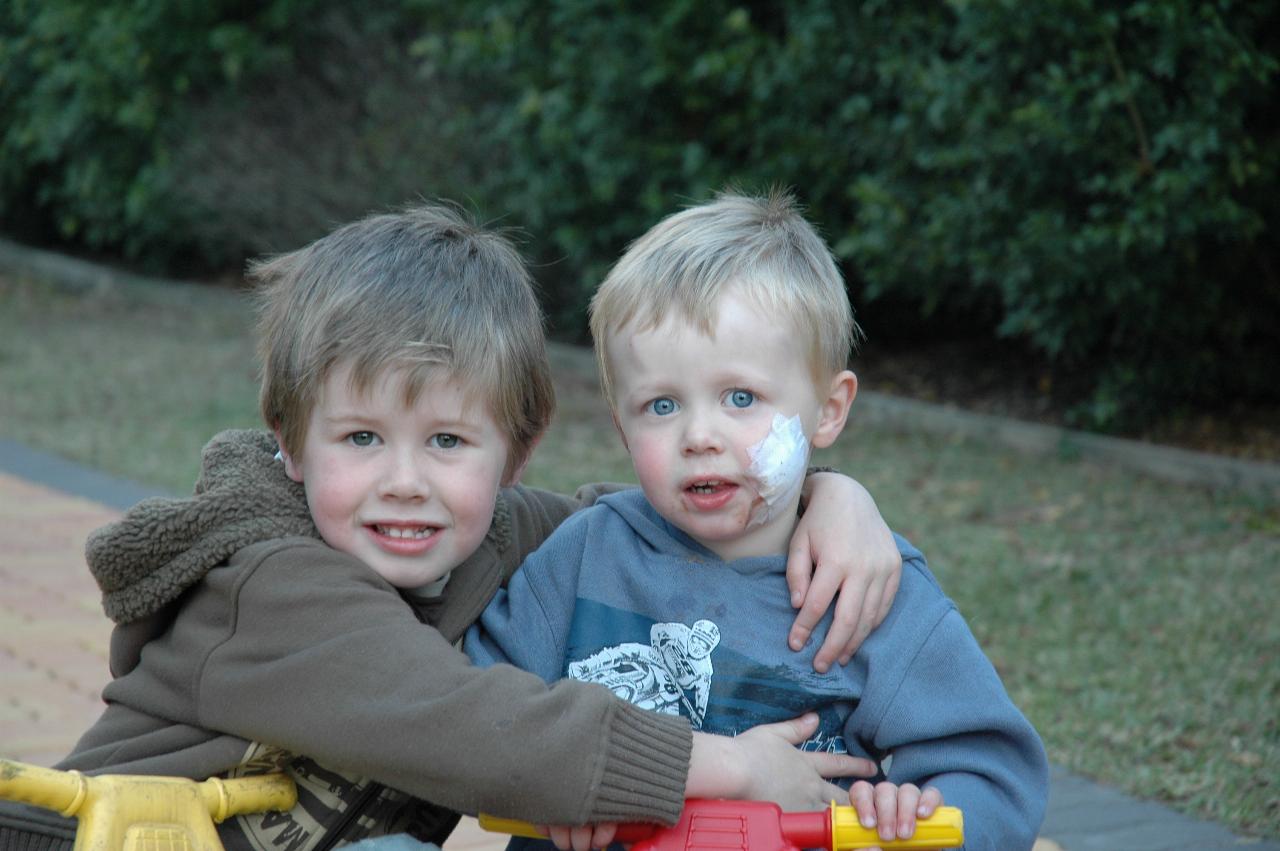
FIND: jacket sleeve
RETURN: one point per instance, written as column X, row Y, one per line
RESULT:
column 527, row 623
column 324, row 658
column 945, row 719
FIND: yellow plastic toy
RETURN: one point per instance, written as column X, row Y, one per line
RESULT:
column 120, row 812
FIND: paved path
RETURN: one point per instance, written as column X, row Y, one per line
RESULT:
column 53, row 640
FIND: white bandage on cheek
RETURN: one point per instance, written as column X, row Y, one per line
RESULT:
column 777, row 467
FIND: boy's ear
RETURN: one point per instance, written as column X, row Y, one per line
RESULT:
column 512, row 478
column 835, row 409
column 291, row 469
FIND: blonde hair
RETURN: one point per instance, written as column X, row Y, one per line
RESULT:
column 760, row 245
column 423, row 289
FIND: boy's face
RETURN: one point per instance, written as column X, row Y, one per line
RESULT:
column 691, row 407
column 407, row 489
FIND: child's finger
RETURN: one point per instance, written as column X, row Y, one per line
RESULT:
column 822, row 593
column 886, row 797
column 604, row 833
column 862, row 799
column 799, row 571
column 793, row 730
column 908, row 801
column 849, row 624
column 559, row 836
column 841, row 765
column 819, row 592
column 888, row 591
column 930, row 800
column 876, row 602
column 580, row 837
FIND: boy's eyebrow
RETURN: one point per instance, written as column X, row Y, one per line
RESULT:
column 457, row 423
column 645, row 388
column 349, row 419
column 728, row 376
column 340, row 416
column 451, row 422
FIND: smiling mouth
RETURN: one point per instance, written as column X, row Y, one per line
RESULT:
column 412, row 533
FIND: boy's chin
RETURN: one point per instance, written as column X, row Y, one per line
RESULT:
column 412, row 580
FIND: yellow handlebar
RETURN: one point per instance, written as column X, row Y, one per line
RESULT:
column 60, row 791
column 257, row 794
column 120, row 812
column 943, row 829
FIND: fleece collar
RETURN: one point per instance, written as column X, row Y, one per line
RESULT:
column 161, row 546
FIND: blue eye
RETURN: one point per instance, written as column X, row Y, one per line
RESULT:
column 362, row 438
column 663, row 406
column 446, row 441
column 741, row 398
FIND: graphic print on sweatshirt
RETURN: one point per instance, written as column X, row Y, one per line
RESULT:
column 690, row 669
column 671, row 674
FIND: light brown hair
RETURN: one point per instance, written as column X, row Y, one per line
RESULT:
column 761, row 245
column 424, row 289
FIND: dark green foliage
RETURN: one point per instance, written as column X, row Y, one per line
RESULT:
column 1104, row 173
column 93, row 95
column 188, row 136
column 344, row 128
column 1095, row 181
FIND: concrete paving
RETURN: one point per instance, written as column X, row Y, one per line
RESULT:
column 53, row 660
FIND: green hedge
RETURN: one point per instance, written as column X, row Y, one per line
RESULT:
column 1095, row 181
column 93, row 97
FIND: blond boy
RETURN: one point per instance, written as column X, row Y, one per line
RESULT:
column 722, row 336
column 275, row 619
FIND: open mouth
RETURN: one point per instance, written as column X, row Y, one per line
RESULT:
column 405, row 532
column 709, row 494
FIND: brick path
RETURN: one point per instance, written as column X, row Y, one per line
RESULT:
column 53, row 636
column 53, row 660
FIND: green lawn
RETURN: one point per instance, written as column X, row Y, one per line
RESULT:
column 1135, row 621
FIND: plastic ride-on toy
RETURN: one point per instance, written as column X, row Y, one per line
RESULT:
column 123, row 812
column 719, row 825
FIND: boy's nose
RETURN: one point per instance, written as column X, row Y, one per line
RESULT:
column 404, row 480
column 701, row 436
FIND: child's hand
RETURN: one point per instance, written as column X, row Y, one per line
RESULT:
column 893, row 809
column 583, row 837
column 843, row 541
column 764, row 764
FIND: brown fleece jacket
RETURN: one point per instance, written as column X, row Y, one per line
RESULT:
column 244, row 643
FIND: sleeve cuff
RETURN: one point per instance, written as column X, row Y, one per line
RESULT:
column 647, row 767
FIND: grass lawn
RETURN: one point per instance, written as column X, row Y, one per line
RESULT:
column 1134, row 621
